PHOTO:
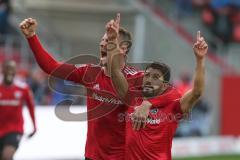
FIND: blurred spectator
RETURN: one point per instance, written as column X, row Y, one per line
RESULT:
column 46, row 95
column 223, row 3
column 198, row 122
column 223, row 18
column 222, row 26
column 4, row 16
column 38, row 82
column 200, row 3
column 184, row 84
column 63, row 92
column 184, row 8
column 60, row 90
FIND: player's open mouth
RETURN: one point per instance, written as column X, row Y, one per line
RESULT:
column 148, row 90
column 103, row 53
column 148, row 87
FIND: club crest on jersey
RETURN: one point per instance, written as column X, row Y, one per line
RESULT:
column 96, row 86
column 154, row 111
column 17, row 94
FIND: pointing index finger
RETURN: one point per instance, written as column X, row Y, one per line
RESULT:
column 118, row 18
column 198, row 35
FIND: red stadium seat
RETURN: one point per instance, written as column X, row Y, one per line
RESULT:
column 236, row 33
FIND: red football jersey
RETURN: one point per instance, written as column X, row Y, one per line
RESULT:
column 106, row 130
column 12, row 99
column 154, row 142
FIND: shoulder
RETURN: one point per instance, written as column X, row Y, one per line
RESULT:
column 173, row 100
column 132, row 71
column 21, row 84
column 174, row 93
column 170, row 96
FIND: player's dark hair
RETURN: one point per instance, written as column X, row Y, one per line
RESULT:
column 126, row 35
column 164, row 68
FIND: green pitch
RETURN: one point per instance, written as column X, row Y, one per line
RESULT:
column 223, row 157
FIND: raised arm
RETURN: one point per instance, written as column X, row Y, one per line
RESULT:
column 115, row 57
column 47, row 63
column 118, row 79
column 188, row 100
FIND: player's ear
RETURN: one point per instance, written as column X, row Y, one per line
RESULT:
column 165, row 85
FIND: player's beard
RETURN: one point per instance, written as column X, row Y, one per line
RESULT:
column 150, row 91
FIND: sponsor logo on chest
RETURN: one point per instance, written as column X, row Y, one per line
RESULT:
column 154, row 117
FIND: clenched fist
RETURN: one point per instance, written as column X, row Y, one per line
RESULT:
column 28, row 27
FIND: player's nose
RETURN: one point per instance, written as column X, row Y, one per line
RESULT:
column 147, row 82
column 103, row 44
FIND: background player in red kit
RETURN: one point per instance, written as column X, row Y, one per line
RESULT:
column 161, row 105
column 13, row 95
column 106, row 134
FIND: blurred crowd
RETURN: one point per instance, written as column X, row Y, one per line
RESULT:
column 222, row 17
column 37, row 80
column 4, row 15
column 45, row 94
column 5, row 10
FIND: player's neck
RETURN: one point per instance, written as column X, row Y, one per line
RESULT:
column 7, row 83
column 163, row 91
column 106, row 71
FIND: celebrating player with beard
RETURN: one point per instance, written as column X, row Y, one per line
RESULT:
column 157, row 106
